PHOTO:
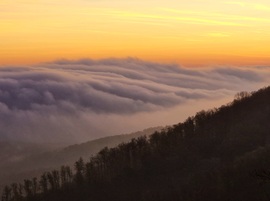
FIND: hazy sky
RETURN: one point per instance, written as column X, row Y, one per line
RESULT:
column 194, row 32
column 73, row 99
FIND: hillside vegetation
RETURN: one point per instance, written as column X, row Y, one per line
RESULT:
column 220, row 154
column 34, row 159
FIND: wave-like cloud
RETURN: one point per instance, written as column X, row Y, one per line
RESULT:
column 67, row 100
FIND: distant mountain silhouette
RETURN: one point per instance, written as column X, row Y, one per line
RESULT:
column 21, row 160
column 221, row 154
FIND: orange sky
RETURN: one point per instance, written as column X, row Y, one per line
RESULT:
column 192, row 33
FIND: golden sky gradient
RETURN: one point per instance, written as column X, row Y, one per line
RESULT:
column 192, row 33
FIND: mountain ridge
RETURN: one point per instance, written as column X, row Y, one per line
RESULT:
column 47, row 160
column 219, row 154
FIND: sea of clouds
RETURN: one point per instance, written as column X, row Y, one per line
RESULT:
column 73, row 101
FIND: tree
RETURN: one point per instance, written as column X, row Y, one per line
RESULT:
column 28, row 188
column 241, row 95
column 44, row 183
column 69, row 174
column 6, row 194
column 17, row 194
column 35, row 187
column 51, row 181
column 80, row 171
column 56, row 179
column 63, row 175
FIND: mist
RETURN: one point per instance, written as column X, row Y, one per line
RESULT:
column 73, row 101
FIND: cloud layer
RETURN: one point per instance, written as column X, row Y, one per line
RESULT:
column 66, row 101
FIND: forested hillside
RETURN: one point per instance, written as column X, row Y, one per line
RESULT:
column 220, row 154
column 35, row 159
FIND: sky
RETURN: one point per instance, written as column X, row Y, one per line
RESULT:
column 190, row 33
column 76, row 70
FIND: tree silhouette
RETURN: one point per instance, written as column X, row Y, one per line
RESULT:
column 210, row 156
column 80, row 171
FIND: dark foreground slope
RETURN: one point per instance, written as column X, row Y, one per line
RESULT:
column 221, row 154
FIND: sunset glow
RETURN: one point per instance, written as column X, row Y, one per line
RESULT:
column 191, row 33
